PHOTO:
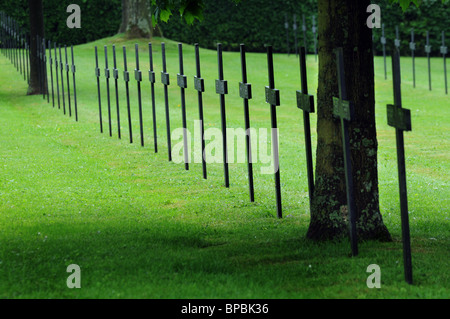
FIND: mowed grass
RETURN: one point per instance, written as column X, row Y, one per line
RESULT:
column 142, row 227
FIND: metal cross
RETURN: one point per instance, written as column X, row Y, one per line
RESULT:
column 444, row 53
column 182, row 83
column 401, row 119
column 305, row 102
column 343, row 109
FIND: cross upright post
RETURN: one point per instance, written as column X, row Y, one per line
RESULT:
column 51, row 71
column 97, row 74
column 126, row 78
column 74, row 84
column 68, row 83
column 343, row 109
column 273, row 98
column 165, row 80
column 61, row 70
column 182, row 83
column 305, row 102
column 222, row 90
column 57, row 73
column 138, row 78
column 107, row 76
column 152, row 79
column 116, row 86
column 400, row 119
column 245, row 92
column 199, row 86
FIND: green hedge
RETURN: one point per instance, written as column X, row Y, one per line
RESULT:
column 259, row 22
column 99, row 18
column 253, row 22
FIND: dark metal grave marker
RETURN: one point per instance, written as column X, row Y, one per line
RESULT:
column 68, row 82
column 314, row 31
column 51, row 71
column 383, row 42
column 61, row 69
column 444, row 53
column 400, row 119
column 222, row 89
column 428, row 51
column 57, row 75
column 343, row 109
column 116, row 86
column 152, row 78
column 273, row 98
column 97, row 74
column 74, row 85
column 199, row 85
column 44, row 56
column 294, row 28
column 412, row 47
column 138, row 78
column 305, row 102
column 182, row 83
column 126, row 78
column 165, row 79
column 245, row 92
column 107, row 76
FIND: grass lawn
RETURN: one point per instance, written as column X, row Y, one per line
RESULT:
column 142, row 227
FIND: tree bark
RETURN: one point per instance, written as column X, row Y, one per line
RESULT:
column 36, row 29
column 136, row 19
column 342, row 23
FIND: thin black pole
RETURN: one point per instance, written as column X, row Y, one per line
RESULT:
column 273, row 115
column 97, row 74
column 407, row 262
column 246, row 93
column 200, row 87
column 68, row 83
column 56, row 73
column 307, row 105
column 126, row 78
column 152, row 79
column 61, row 69
column 182, row 83
column 46, row 91
column 165, row 80
column 351, row 206
column 116, row 85
column 74, row 84
column 51, row 71
column 222, row 89
column 138, row 77
column 107, row 75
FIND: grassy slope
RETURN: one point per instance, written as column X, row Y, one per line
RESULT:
column 140, row 226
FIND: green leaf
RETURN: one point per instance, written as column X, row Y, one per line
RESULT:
column 165, row 14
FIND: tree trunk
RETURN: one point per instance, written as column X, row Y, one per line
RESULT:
column 136, row 19
column 342, row 23
column 36, row 29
